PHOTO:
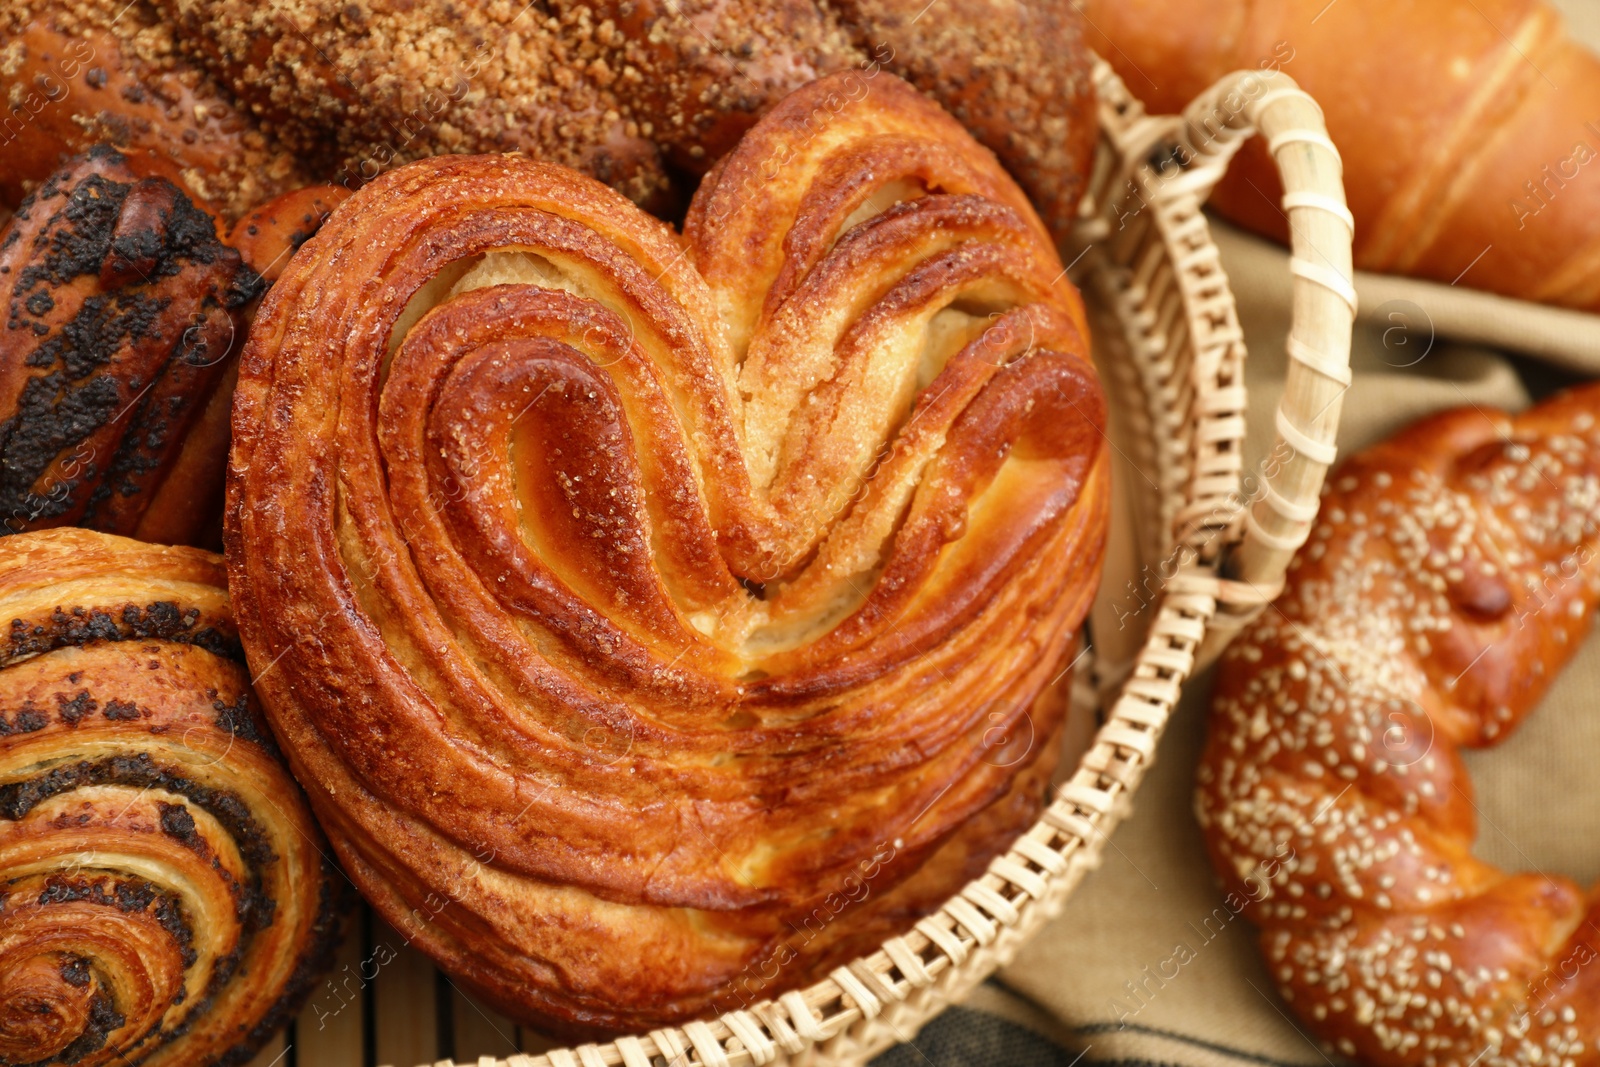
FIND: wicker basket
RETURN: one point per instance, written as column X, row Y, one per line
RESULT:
column 1215, row 543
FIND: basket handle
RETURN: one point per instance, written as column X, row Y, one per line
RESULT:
column 1278, row 520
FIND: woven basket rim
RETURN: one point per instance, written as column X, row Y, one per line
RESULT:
column 1233, row 548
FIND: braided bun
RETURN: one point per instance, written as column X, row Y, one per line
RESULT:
column 1451, row 575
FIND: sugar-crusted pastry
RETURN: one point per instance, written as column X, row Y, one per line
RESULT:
column 76, row 73
column 245, row 100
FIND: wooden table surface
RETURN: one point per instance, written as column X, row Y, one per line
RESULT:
column 386, row 1004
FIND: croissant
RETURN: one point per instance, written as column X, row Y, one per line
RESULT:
column 1467, row 129
column 1451, row 575
column 656, row 622
column 246, row 100
column 163, row 894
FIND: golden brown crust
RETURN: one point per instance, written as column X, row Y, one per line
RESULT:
column 163, row 896
column 74, row 73
column 1465, row 160
column 122, row 312
column 1450, row 577
column 624, row 613
column 380, row 84
column 268, row 235
column 706, row 70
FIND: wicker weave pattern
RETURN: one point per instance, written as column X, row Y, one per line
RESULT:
column 1177, row 363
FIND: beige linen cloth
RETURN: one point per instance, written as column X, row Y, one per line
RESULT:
column 1099, row 980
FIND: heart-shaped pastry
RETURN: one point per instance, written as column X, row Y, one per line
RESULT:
column 658, row 621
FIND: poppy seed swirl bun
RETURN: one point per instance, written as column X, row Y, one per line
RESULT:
column 622, row 597
column 164, row 897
